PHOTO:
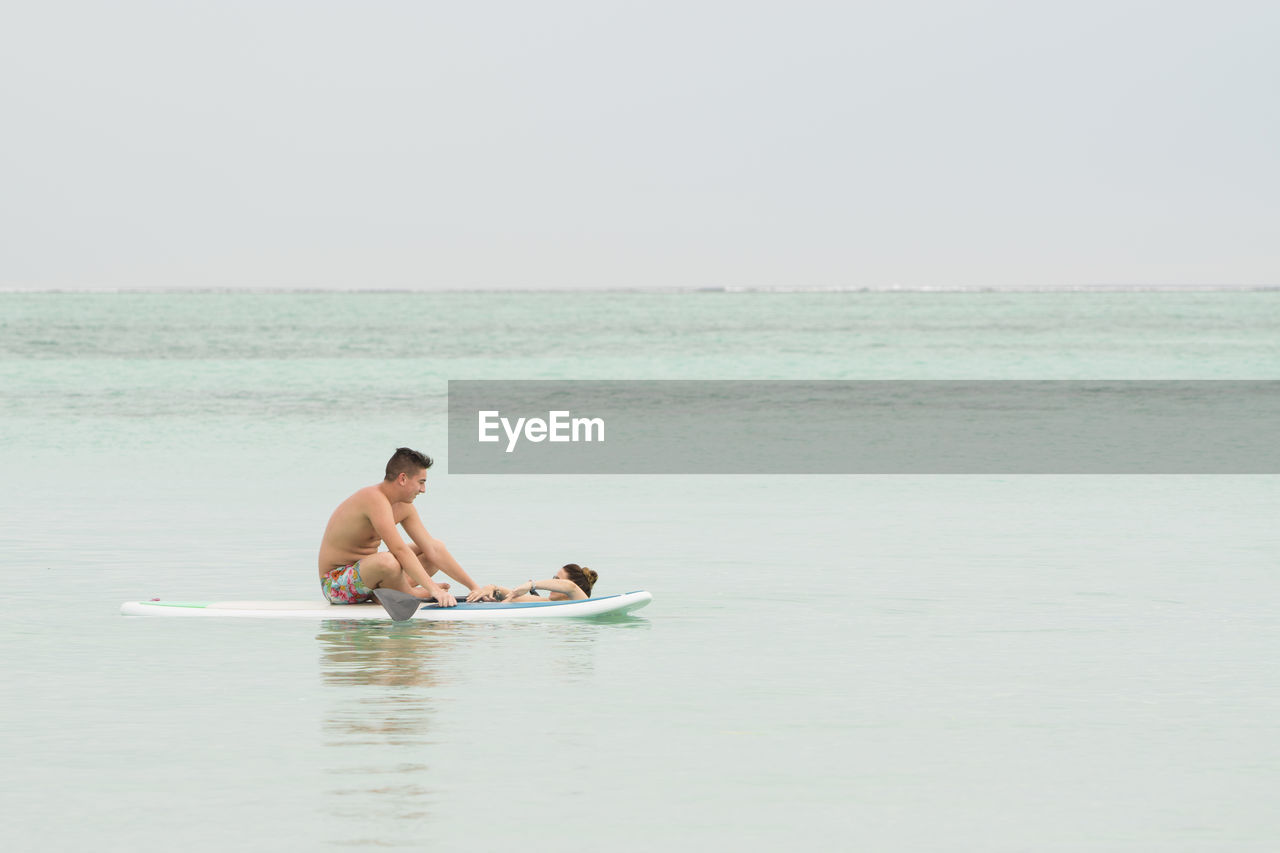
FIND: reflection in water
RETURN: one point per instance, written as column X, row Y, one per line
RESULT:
column 388, row 680
column 384, row 654
column 382, row 720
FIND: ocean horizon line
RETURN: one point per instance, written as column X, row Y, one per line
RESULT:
column 1014, row 288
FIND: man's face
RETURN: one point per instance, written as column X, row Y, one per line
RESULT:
column 414, row 484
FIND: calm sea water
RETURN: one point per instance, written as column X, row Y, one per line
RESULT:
column 879, row 663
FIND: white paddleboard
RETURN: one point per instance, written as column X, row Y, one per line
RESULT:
column 481, row 610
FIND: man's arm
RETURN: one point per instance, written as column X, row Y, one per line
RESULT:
column 434, row 554
column 384, row 524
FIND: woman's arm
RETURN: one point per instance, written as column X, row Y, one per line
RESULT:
column 524, row 592
column 568, row 589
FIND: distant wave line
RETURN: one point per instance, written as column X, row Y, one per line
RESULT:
column 1014, row 288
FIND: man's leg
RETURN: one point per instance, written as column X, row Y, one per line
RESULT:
column 381, row 571
column 440, row 560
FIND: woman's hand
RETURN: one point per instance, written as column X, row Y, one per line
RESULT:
column 483, row 593
column 489, row 592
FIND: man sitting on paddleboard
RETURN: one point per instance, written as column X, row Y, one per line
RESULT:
column 351, row 566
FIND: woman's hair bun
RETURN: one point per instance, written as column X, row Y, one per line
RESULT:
column 585, row 578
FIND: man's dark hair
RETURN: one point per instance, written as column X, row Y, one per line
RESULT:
column 406, row 461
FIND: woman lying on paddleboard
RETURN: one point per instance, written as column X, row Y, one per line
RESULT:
column 571, row 583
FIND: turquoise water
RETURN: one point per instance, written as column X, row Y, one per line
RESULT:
column 904, row 663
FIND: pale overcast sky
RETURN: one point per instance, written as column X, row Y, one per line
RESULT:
column 302, row 143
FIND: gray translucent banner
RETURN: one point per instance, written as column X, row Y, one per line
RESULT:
column 863, row 427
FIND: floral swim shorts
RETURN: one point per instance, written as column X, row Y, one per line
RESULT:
column 343, row 586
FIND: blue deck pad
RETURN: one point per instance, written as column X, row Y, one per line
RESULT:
column 502, row 605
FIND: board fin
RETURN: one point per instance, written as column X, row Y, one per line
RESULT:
column 399, row 605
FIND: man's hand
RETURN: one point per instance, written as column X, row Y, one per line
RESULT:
column 440, row 594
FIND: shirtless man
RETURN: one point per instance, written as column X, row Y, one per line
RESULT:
column 351, row 565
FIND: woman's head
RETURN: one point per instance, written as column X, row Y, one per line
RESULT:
column 585, row 578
